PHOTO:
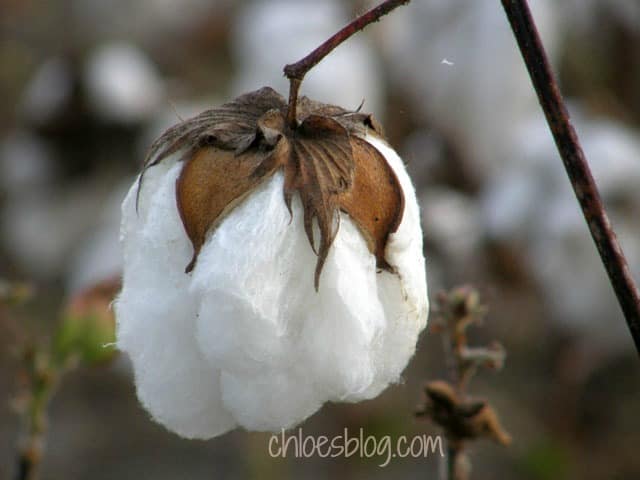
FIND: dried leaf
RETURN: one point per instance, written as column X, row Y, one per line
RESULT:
column 320, row 168
column 211, row 183
column 461, row 417
column 375, row 202
column 231, row 149
column 231, row 126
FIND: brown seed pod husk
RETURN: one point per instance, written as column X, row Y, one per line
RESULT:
column 231, row 149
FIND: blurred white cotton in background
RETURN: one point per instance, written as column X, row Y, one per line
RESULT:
column 451, row 220
column 48, row 91
column 532, row 203
column 269, row 34
column 122, row 84
column 26, row 163
column 477, row 100
column 41, row 227
column 98, row 256
column 145, row 20
column 587, row 14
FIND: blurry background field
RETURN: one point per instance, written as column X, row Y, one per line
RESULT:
column 87, row 84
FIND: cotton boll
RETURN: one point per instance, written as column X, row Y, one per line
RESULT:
column 287, row 403
column 316, row 342
column 352, row 318
column 173, row 382
column 245, row 323
column 156, row 316
column 239, row 285
column 245, row 338
column 406, row 307
column 405, row 245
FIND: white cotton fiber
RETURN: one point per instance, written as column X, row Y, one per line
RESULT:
column 245, row 339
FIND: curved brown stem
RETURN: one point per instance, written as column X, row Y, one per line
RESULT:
column 295, row 72
column 575, row 162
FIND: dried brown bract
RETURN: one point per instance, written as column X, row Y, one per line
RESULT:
column 462, row 418
column 229, row 150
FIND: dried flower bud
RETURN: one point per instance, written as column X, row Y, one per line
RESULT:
column 269, row 269
column 461, row 418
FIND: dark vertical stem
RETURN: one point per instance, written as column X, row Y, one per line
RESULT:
column 575, row 163
column 292, row 114
column 28, row 462
column 452, row 454
column 42, row 384
column 457, row 462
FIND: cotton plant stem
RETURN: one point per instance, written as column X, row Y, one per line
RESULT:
column 295, row 72
column 452, row 454
column 29, row 457
column 575, row 163
column 43, row 384
column 32, row 449
column 455, row 449
column 457, row 463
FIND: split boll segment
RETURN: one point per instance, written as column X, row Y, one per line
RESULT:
column 268, row 270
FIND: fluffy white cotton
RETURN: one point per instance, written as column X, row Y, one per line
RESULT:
column 245, row 340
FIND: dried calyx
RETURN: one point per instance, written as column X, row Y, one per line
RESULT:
column 231, row 149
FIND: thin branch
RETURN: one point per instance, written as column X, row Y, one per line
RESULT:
column 43, row 379
column 462, row 417
column 295, row 72
column 458, row 466
column 575, row 162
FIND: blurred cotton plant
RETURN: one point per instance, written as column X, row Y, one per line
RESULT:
column 269, row 269
column 83, row 337
column 463, row 417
